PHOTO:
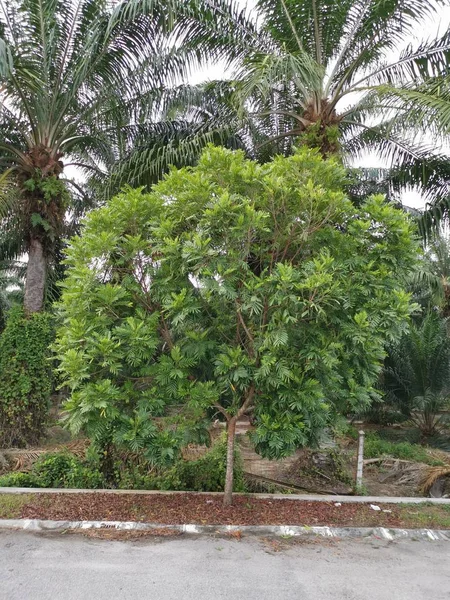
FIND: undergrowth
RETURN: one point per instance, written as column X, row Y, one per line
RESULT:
column 375, row 447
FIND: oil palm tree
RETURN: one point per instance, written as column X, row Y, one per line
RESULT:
column 416, row 375
column 11, row 287
column 430, row 283
column 81, row 84
column 332, row 72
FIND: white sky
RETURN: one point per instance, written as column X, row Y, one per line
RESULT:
column 431, row 28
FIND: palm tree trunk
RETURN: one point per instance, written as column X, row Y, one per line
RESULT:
column 231, row 436
column 36, row 276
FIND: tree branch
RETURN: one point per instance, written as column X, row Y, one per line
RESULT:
column 222, row 411
column 165, row 333
column 247, row 402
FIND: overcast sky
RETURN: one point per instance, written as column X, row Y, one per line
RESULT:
column 429, row 29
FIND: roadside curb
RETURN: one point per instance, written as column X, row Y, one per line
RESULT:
column 298, row 497
column 257, row 530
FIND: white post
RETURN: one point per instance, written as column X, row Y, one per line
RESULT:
column 359, row 469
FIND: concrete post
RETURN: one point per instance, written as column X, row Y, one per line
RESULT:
column 359, row 468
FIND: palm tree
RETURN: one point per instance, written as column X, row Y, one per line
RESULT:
column 11, row 287
column 330, row 71
column 416, row 376
column 81, row 84
column 430, row 283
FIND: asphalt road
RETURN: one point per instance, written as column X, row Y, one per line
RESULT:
column 69, row 567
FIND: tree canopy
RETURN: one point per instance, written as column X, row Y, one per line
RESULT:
column 232, row 288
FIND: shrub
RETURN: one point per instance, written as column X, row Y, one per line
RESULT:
column 64, row 470
column 19, row 479
column 56, row 470
column 375, row 447
column 416, row 376
column 139, row 478
column 383, row 413
column 207, row 474
column 25, row 377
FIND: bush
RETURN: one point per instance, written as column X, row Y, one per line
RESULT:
column 65, row 470
column 207, row 474
column 56, row 470
column 26, row 480
column 25, row 377
column 383, row 413
column 140, row 478
column 375, row 447
column 416, row 377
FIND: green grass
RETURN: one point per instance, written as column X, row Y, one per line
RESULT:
column 11, row 505
column 375, row 447
column 426, row 515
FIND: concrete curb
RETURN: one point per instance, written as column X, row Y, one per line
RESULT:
column 301, row 497
column 258, row 530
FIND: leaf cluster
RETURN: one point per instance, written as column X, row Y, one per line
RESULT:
column 232, row 288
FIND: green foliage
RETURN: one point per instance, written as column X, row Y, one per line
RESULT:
column 11, row 287
column 416, row 377
column 25, row 377
column 321, row 136
column 375, row 447
column 62, row 469
column 144, row 477
column 20, row 479
column 207, row 474
column 430, row 283
column 231, row 287
column 57, row 470
column 335, row 65
column 83, row 81
column 383, row 412
column 339, row 462
column 49, row 186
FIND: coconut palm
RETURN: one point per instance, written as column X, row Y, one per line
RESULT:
column 81, row 84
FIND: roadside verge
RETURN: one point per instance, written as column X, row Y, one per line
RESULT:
column 196, row 510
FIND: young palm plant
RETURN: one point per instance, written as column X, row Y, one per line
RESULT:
column 81, row 85
column 417, row 373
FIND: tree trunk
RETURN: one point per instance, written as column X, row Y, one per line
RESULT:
column 231, row 436
column 36, row 276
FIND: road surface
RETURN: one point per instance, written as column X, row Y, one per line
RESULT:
column 73, row 567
